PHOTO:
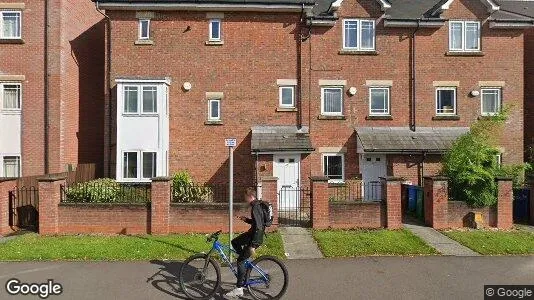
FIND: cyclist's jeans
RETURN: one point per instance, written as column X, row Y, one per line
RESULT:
column 241, row 245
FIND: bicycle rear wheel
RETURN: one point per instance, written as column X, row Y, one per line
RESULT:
column 198, row 282
column 267, row 279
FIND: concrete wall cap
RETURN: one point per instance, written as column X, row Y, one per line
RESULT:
column 437, row 178
column 318, row 178
column 503, row 178
column 269, row 178
column 51, row 178
column 161, row 178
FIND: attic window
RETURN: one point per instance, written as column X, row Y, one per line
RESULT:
column 464, row 36
column 359, row 35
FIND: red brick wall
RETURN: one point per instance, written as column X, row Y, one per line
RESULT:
column 5, row 187
column 103, row 218
column 347, row 215
column 205, row 218
column 411, row 168
column 458, row 213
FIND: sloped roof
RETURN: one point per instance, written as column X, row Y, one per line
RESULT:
column 402, row 139
column 277, row 138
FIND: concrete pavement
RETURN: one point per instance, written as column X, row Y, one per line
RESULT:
column 433, row 277
column 299, row 243
column 442, row 243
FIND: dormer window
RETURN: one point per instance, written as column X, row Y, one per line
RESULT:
column 464, row 36
column 359, row 35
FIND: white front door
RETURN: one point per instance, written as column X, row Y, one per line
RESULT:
column 373, row 167
column 287, row 168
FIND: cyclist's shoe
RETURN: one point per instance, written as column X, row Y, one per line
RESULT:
column 237, row 292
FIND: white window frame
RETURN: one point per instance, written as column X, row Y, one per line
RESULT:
column 280, row 90
column 210, row 117
column 124, row 165
column 499, row 100
column 4, row 166
column 342, row 155
column 447, row 88
column 2, row 84
column 341, row 88
column 2, row 25
column 142, row 168
column 141, row 37
column 464, row 35
column 140, row 96
column 359, row 35
column 211, row 38
column 498, row 158
column 388, row 112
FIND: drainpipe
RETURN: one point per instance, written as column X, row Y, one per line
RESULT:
column 299, row 67
column 46, row 89
column 421, row 177
column 412, row 78
column 108, row 86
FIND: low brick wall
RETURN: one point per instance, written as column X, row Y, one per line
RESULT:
column 346, row 215
column 79, row 218
column 458, row 214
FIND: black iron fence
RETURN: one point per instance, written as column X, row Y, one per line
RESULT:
column 356, row 191
column 294, row 207
column 106, row 191
column 206, row 193
column 24, row 208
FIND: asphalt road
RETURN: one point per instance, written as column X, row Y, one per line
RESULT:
column 431, row 277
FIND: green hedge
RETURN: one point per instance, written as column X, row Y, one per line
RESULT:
column 107, row 190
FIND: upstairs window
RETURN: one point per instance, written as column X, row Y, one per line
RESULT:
column 332, row 101
column 144, row 29
column 214, row 110
column 379, row 101
column 446, row 101
column 10, row 96
column 464, row 36
column 11, row 166
column 359, row 34
column 333, row 167
column 490, row 99
column 287, row 96
column 215, row 30
column 10, row 24
column 140, row 98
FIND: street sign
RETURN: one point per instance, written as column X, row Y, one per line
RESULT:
column 230, row 142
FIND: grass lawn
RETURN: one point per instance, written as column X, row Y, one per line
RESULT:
column 495, row 242
column 348, row 243
column 120, row 247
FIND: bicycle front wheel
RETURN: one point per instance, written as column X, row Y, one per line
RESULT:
column 267, row 279
column 200, row 277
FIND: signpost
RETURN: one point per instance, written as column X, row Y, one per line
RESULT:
column 231, row 143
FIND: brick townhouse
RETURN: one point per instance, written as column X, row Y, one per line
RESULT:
column 346, row 89
column 51, row 86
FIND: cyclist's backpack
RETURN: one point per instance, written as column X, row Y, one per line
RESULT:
column 267, row 209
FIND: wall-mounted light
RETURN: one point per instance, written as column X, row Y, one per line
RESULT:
column 187, row 86
column 352, row 91
column 475, row 93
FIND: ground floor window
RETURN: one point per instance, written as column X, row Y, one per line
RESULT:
column 130, row 165
column 333, row 167
column 11, row 166
column 149, row 165
column 139, row 164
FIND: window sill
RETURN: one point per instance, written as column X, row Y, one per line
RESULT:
column 323, row 117
column 144, row 42
column 214, row 43
column 446, row 118
column 286, row 109
column 357, row 52
column 11, row 41
column 486, row 117
column 213, row 123
column 11, row 112
column 387, row 117
column 464, row 53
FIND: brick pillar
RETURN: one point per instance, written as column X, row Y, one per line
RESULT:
column 160, row 205
column 320, row 214
column 269, row 193
column 505, row 198
column 436, row 202
column 49, row 198
column 6, row 185
column 391, row 193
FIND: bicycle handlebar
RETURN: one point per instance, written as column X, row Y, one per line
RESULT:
column 213, row 236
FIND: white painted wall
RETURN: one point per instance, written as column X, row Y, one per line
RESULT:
column 143, row 132
column 10, row 136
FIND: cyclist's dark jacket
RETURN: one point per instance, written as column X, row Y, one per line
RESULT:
column 256, row 220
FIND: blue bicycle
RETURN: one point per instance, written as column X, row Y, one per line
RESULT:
column 200, row 275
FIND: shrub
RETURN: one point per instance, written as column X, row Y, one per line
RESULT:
column 186, row 191
column 106, row 190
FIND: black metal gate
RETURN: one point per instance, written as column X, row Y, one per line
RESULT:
column 24, row 208
column 294, row 207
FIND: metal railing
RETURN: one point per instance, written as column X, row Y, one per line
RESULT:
column 205, row 193
column 355, row 191
column 24, row 207
column 109, row 192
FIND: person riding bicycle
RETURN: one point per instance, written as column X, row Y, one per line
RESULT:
column 246, row 243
